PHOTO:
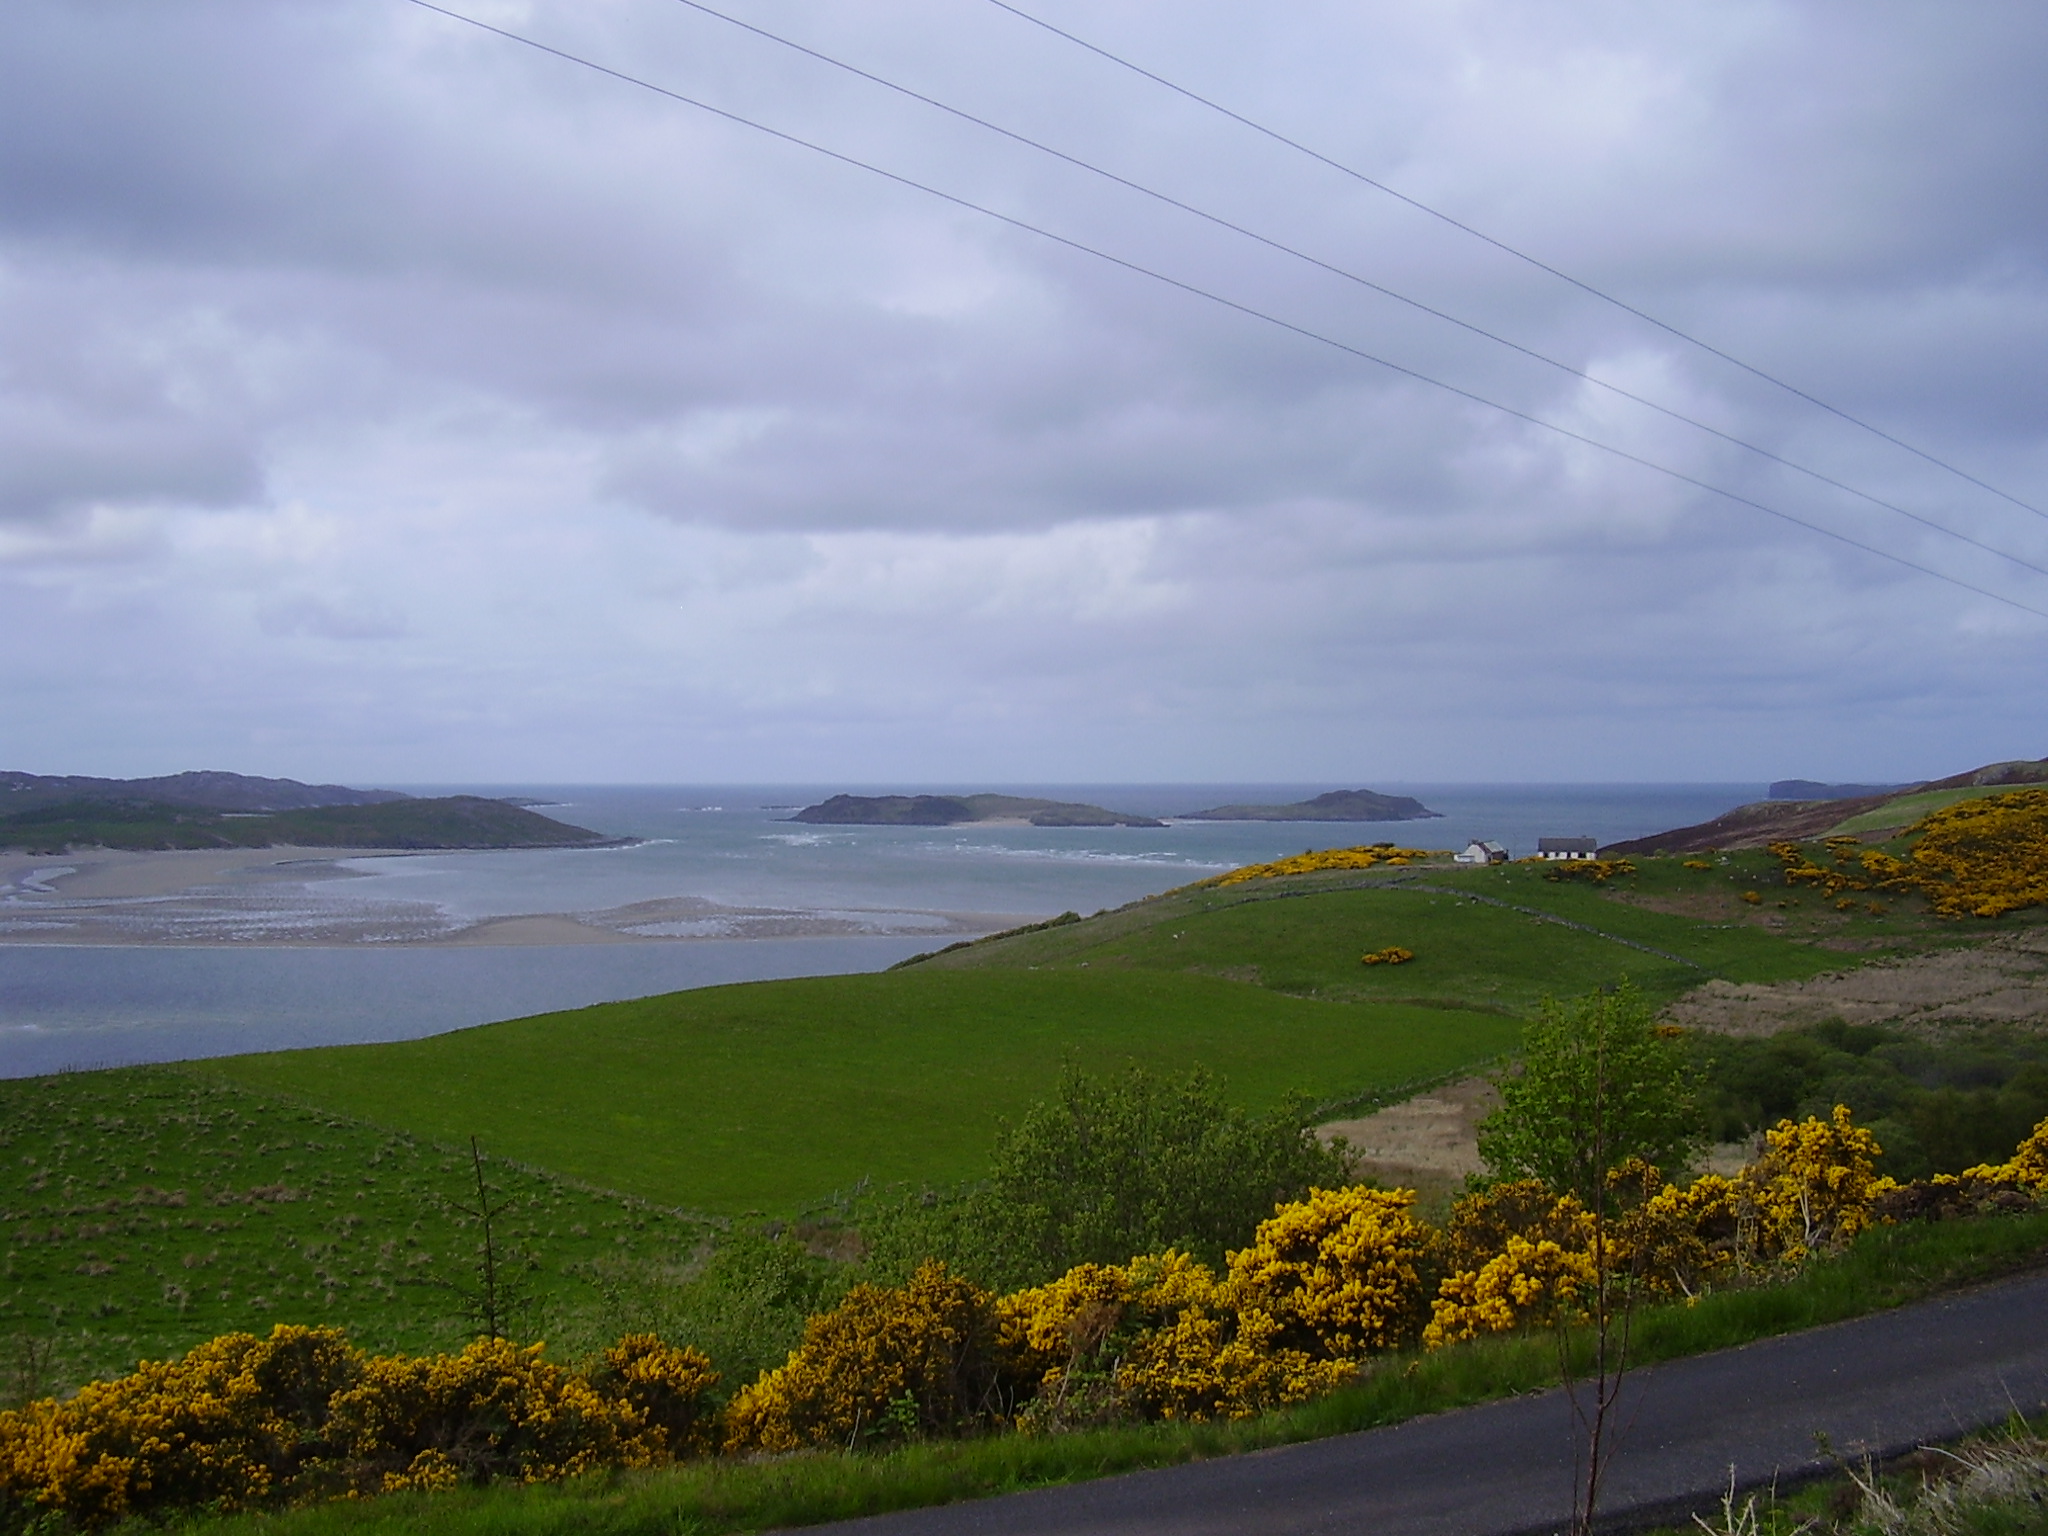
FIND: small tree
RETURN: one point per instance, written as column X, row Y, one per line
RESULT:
column 498, row 1292
column 1598, row 1084
column 1131, row 1164
column 1599, row 1087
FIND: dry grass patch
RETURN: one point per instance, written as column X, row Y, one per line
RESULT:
column 2001, row 981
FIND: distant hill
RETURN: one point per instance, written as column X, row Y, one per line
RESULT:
column 1337, row 805
column 1807, row 789
column 453, row 821
column 211, row 790
column 2020, row 771
column 1868, row 816
column 957, row 810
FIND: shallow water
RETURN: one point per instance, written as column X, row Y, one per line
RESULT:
column 71, row 1007
column 891, row 888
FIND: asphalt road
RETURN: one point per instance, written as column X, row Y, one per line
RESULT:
column 1773, row 1410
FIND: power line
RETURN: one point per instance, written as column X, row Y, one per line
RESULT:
column 1214, row 298
column 1353, row 277
column 1516, row 252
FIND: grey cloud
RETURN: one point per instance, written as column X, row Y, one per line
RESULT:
column 656, row 434
column 305, row 616
column 52, row 467
column 102, row 400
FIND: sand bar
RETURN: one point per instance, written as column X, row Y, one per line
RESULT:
column 300, row 896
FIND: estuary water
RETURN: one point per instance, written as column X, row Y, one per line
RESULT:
column 719, row 887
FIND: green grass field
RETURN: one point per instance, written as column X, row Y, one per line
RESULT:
column 145, row 1210
column 770, row 1095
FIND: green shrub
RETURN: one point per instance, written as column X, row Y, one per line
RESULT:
column 1140, row 1164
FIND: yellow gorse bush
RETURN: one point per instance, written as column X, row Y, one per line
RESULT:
column 1214, row 1360
column 2027, row 1168
column 1340, row 1272
column 221, row 1426
column 1393, row 954
column 1598, row 871
column 241, row 1421
column 1985, row 857
column 1048, row 1333
column 1516, row 1254
column 1371, row 856
column 1977, row 858
column 888, row 1361
column 1526, row 1282
column 1159, row 1338
column 1519, row 1256
column 500, row 1410
column 1814, row 1187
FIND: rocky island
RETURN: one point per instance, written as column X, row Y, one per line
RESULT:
column 1337, row 805
column 959, row 810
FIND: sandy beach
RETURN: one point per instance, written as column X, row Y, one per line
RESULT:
column 299, row 896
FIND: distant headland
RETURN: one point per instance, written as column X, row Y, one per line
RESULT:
column 45, row 814
column 1337, row 805
column 959, row 810
column 1882, row 811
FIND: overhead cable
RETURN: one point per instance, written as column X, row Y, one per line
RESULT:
column 1353, row 277
column 1515, row 251
column 1212, row 297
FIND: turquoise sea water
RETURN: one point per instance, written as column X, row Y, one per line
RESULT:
column 891, row 889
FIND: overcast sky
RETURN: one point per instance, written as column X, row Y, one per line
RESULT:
column 383, row 400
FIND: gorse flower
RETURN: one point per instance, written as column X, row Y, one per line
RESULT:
column 1371, row 856
column 242, row 1421
column 1981, row 857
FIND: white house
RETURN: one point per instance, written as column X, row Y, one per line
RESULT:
column 1567, row 847
column 1477, row 852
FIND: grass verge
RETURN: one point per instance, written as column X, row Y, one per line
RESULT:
column 1884, row 1269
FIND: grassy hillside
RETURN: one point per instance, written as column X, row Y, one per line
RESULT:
column 144, row 1210
column 1501, row 937
column 1907, row 809
column 769, row 1095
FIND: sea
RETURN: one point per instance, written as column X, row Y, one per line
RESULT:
column 887, row 892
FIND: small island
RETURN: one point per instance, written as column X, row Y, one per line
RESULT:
column 1337, row 805
column 960, row 810
column 52, row 815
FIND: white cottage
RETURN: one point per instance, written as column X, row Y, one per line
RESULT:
column 1567, row 847
column 1477, row 852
